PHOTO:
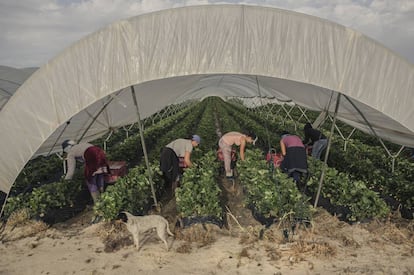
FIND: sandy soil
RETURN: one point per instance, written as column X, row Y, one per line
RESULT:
column 326, row 246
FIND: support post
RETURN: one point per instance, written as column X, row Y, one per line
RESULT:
column 4, row 204
column 144, row 148
column 327, row 152
column 261, row 102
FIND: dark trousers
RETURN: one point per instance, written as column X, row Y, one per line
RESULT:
column 169, row 165
column 295, row 162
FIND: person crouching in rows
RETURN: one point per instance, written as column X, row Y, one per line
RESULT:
column 315, row 138
column 96, row 165
column 294, row 156
column 234, row 138
column 169, row 159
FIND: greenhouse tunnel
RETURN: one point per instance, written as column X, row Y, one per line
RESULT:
column 178, row 55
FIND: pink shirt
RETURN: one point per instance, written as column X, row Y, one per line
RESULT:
column 292, row 141
column 232, row 138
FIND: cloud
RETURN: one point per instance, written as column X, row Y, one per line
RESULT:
column 390, row 22
column 33, row 31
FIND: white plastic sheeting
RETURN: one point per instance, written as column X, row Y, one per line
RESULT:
column 10, row 81
column 192, row 52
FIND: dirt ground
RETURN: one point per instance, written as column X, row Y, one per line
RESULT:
column 244, row 246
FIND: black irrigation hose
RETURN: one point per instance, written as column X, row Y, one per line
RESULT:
column 188, row 221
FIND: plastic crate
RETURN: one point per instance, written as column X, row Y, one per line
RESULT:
column 274, row 157
column 118, row 169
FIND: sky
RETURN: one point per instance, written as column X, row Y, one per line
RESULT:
column 34, row 31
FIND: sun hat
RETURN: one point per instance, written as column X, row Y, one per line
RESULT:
column 196, row 138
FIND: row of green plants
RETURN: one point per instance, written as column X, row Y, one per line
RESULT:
column 342, row 190
column 130, row 149
column 354, row 194
column 271, row 193
column 116, row 136
column 202, row 120
column 170, row 114
column 362, row 160
column 199, row 194
column 45, row 198
column 206, row 127
column 225, row 122
column 49, row 169
column 366, row 160
column 265, row 132
column 183, row 128
column 42, row 198
column 369, row 164
column 38, row 172
column 130, row 193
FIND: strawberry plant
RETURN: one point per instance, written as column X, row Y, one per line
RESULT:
column 198, row 195
column 341, row 190
column 45, row 198
column 271, row 195
column 130, row 193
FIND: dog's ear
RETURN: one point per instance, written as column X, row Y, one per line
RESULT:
column 123, row 217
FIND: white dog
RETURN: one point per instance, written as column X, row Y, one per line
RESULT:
column 140, row 224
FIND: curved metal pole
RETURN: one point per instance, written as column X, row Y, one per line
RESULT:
column 144, row 148
column 327, row 152
column 60, row 135
column 94, row 119
column 373, row 131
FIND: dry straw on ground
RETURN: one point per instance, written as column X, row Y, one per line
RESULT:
column 19, row 226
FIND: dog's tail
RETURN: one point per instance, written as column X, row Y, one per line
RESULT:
column 128, row 215
column 168, row 230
